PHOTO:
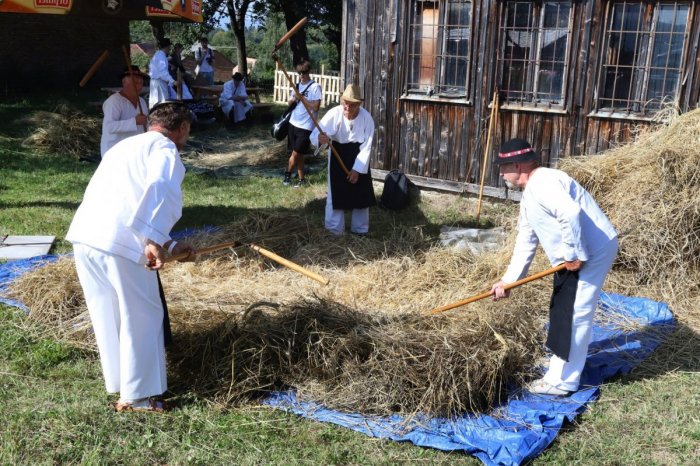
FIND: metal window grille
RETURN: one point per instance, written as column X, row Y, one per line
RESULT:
column 645, row 45
column 534, row 50
column 440, row 43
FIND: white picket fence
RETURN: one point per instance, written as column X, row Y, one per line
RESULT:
column 330, row 85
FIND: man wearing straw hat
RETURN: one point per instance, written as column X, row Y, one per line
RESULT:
column 122, row 111
column 120, row 234
column 350, row 129
column 561, row 216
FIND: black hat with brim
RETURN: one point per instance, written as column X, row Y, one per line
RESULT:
column 515, row 151
column 135, row 71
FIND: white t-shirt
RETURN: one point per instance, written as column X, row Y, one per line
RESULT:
column 300, row 117
column 204, row 66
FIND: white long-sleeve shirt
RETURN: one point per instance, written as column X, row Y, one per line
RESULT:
column 133, row 196
column 342, row 130
column 119, row 120
column 556, row 212
column 158, row 68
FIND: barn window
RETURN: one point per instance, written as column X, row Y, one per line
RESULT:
column 440, row 39
column 643, row 53
column 534, row 41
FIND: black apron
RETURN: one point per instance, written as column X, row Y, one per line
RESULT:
column 344, row 194
column 561, row 313
column 167, row 332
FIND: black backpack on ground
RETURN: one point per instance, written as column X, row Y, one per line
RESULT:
column 396, row 193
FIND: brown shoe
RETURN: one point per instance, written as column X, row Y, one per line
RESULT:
column 155, row 405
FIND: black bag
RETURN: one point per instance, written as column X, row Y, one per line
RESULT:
column 281, row 128
column 396, row 193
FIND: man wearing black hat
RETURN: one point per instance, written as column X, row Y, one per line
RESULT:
column 123, row 111
column 561, row 216
column 161, row 81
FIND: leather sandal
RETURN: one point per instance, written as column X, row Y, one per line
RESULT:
column 541, row 387
column 155, row 405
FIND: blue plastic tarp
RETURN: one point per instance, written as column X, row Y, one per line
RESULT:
column 513, row 433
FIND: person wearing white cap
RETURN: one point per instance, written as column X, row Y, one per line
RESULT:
column 350, row 128
column 560, row 215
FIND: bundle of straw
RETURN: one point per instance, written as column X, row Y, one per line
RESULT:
column 65, row 131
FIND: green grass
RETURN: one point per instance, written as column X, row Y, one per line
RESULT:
column 54, row 409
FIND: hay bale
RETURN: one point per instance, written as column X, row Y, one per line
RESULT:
column 649, row 189
column 65, row 131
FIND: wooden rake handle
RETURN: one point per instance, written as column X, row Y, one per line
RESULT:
column 486, row 294
column 93, row 69
column 127, row 60
column 265, row 252
column 290, row 33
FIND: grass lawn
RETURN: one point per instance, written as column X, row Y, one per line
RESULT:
column 54, row 409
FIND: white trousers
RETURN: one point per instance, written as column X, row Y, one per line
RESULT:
column 566, row 375
column 127, row 317
column 335, row 218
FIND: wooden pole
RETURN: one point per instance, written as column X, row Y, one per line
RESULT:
column 486, row 294
column 127, row 59
column 494, row 116
column 265, row 252
column 93, row 69
column 289, row 34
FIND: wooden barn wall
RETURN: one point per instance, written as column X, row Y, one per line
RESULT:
column 446, row 140
column 55, row 52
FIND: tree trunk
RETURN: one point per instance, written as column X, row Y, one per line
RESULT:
column 237, row 11
column 294, row 11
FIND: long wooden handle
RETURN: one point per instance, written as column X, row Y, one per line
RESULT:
column 313, row 118
column 127, row 59
column 213, row 248
column 290, row 33
column 486, row 294
column 494, row 115
column 93, row 69
column 287, row 263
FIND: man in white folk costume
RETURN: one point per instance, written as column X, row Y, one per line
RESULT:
column 122, row 111
column 561, row 216
column 162, row 82
column 350, row 129
column 120, row 235
column 234, row 100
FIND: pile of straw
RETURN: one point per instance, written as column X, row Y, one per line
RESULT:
column 65, row 131
column 245, row 326
column 650, row 190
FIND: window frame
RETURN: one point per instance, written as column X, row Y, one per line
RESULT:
column 440, row 53
column 645, row 51
column 533, row 105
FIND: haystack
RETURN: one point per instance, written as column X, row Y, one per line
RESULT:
column 649, row 189
column 64, row 131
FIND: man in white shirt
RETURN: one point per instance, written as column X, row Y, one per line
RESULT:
column 350, row 128
column 234, row 100
column 162, row 82
column 120, row 235
column 123, row 111
column 561, row 216
column 204, row 56
column 300, row 123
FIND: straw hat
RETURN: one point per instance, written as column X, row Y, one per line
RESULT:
column 352, row 94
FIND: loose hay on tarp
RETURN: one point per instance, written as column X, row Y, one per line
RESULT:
column 65, row 131
column 373, row 353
